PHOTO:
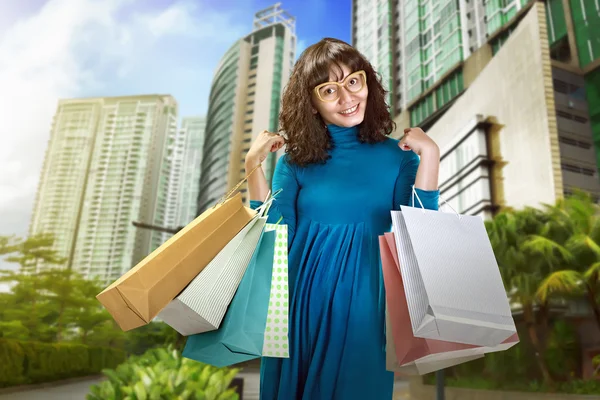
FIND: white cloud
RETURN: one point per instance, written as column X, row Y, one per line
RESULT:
column 66, row 50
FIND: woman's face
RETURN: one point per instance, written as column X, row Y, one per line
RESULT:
column 342, row 102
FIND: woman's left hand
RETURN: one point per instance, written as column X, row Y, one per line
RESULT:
column 416, row 140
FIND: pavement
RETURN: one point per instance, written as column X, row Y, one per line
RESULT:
column 69, row 391
column 78, row 390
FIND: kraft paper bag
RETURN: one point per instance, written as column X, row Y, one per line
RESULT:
column 140, row 294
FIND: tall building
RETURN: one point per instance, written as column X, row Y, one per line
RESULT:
column 173, row 171
column 442, row 48
column 423, row 40
column 237, row 111
column 372, row 35
column 433, row 45
column 192, row 129
column 105, row 166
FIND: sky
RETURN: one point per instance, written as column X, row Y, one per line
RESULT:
column 55, row 49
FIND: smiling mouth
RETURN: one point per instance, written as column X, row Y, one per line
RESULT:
column 350, row 111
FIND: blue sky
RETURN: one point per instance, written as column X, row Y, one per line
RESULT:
column 53, row 49
column 185, row 61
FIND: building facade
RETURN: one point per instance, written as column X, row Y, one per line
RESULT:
column 105, row 167
column 372, row 36
column 193, row 131
column 434, row 47
column 174, row 165
column 518, row 135
column 237, row 111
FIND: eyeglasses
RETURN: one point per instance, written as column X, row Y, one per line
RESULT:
column 330, row 91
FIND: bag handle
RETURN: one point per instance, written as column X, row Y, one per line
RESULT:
column 414, row 193
column 236, row 187
column 263, row 209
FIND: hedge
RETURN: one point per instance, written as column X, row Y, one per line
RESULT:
column 34, row 362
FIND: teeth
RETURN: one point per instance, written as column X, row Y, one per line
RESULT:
column 350, row 110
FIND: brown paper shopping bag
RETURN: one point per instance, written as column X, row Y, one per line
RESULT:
column 140, row 294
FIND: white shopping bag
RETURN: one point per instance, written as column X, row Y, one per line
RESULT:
column 452, row 281
column 426, row 363
column 435, row 361
column 201, row 306
column 276, row 342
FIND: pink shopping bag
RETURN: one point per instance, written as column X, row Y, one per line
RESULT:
column 406, row 353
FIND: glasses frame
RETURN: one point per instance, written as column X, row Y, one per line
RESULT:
column 341, row 85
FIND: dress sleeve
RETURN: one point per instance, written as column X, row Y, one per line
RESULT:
column 406, row 180
column 284, row 205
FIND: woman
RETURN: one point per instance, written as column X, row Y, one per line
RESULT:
column 340, row 177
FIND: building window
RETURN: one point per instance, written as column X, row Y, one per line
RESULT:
column 577, row 169
column 570, row 116
column 574, row 142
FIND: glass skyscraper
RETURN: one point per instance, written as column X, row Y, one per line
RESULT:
column 244, row 100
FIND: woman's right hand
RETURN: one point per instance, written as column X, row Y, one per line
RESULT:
column 266, row 142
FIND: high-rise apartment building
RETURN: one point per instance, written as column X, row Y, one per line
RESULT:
column 106, row 166
column 433, row 45
column 192, row 129
column 244, row 100
column 174, row 171
column 372, row 35
column 441, row 48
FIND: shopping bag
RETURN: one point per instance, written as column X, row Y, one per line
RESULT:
column 406, row 353
column 422, row 365
column 276, row 342
column 201, row 306
column 241, row 334
column 451, row 277
column 140, row 294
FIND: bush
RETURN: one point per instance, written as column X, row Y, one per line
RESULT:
column 12, row 363
column 35, row 362
column 165, row 374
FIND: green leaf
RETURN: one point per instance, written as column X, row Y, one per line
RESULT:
column 155, row 393
column 561, row 282
column 140, row 391
column 229, row 394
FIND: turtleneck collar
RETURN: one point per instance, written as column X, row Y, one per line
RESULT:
column 341, row 134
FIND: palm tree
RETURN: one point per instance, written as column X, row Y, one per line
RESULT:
column 520, row 268
column 554, row 258
column 575, row 221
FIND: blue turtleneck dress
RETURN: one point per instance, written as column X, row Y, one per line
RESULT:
column 335, row 212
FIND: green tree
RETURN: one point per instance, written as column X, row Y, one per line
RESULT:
column 29, row 253
column 26, row 304
column 32, row 251
column 521, row 271
column 575, row 221
column 8, row 244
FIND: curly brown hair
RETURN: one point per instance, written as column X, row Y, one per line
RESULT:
column 307, row 138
